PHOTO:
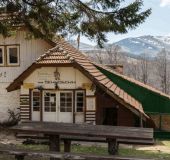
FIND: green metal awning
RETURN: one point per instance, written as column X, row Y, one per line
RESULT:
column 151, row 101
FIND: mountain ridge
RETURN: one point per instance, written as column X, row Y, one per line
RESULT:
column 134, row 45
column 144, row 44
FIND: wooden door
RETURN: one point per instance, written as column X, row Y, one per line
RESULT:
column 35, row 105
column 65, row 106
column 79, row 106
column 49, row 106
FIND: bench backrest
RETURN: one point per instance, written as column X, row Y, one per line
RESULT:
column 85, row 130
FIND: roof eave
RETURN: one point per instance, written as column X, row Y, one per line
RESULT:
column 19, row 80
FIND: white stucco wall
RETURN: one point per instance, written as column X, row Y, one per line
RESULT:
column 70, row 79
column 41, row 77
column 7, row 101
column 29, row 51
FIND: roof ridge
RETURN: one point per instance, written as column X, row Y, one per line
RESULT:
column 78, row 52
column 52, row 50
column 47, row 53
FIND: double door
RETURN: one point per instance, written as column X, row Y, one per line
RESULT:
column 57, row 106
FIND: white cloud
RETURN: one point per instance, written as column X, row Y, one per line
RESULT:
column 165, row 3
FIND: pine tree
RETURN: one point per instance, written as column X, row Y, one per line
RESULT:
column 91, row 18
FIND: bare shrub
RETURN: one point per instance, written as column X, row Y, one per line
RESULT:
column 14, row 118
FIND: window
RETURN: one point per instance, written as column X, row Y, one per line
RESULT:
column 13, row 55
column 1, row 55
column 36, row 100
column 79, row 101
column 66, row 102
column 49, row 102
column 9, row 55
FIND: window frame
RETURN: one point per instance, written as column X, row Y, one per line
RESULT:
column 79, row 91
column 32, row 101
column 8, row 56
column 65, row 107
column 3, row 55
column 50, row 107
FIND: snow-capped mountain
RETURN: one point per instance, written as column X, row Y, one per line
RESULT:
column 144, row 44
column 133, row 46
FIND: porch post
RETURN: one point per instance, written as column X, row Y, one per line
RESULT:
column 141, row 121
column 41, row 105
column 74, row 106
column 30, row 104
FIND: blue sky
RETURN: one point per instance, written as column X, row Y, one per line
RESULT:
column 157, row 24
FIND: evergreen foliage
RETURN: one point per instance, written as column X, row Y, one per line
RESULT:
column 91, row 18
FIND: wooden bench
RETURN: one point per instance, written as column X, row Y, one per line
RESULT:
column 103, row 140
column 54, row 131
column 21, row 154
column 113, row 146
column 39, row 138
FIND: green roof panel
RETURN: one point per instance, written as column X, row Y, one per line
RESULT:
column 151, row 101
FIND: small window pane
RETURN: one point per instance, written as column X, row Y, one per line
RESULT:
column 62, row 94
column 80, row 104
column 50, row 102
column 47, row 94
column 36, row 104
column 13, row 55
column 53, row 109
column 62, row 104
column 62, row 109
column 36, row 101
column 69, row 95
column 66, row 102
column 1, row 56
column 36, row 94
column 36, row 108
column 53, row 104
column 79, row 109
column 47, row 98
column 62, row 98
column 69, row 109
column 47, row 109
column 47, row 104
column 69, row 104
column 52, row 95
column 79, row 93
column 35, row 98
column 79, row 101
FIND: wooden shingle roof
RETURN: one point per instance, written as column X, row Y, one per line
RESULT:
column 64, row 53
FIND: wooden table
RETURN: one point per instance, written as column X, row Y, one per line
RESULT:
column 55, row 130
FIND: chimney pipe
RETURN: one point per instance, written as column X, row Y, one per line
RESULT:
column 116, row 67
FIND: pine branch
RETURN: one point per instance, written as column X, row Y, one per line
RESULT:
column 94, row 18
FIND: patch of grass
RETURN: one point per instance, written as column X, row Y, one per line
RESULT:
column 144, row 154
column 98, row 150
column 122, row 152
column 89, row 149
column 33, row 147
